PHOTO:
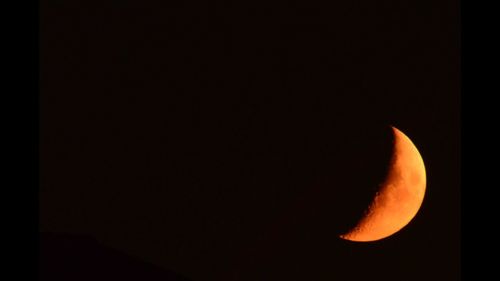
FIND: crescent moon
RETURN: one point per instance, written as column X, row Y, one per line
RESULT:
column 398, row 198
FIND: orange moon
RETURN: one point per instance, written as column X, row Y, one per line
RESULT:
column 398, row 198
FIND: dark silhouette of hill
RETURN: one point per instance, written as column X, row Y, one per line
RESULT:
column 79, row 257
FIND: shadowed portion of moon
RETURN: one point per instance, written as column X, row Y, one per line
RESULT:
column 322, row 195
column 399, row 197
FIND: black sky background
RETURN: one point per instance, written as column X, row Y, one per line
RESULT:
column 235, row 141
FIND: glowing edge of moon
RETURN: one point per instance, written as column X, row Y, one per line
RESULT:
column 399, row 197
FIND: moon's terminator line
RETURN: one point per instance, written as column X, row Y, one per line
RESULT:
column 398, row 198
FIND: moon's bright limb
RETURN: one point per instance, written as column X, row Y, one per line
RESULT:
column 398, row 199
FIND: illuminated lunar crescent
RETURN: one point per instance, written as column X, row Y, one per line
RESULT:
column 399, row 197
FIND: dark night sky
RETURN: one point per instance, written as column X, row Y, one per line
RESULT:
column 234, row 141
